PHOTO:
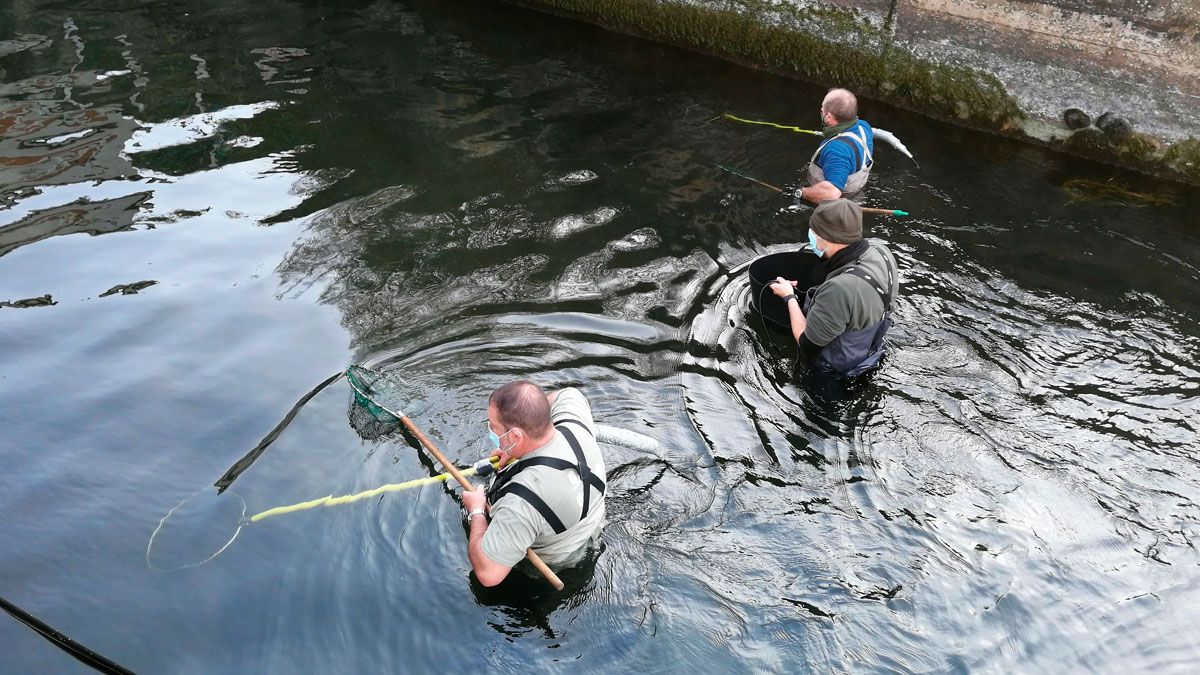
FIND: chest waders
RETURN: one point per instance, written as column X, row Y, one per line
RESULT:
column 856, row 351
column 856, row 138
column 504, row 483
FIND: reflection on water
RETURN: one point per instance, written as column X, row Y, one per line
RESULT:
column 465, row 195
column 102, row 217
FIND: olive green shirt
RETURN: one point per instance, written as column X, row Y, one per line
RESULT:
column 845, row 302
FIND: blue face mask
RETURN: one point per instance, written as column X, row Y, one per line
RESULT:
column 812, row 241
column 495, row 440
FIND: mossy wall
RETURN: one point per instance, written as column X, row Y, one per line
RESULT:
column 823, row 44
column 830, row 44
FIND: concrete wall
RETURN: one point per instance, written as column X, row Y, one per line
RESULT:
column 1009, row 66
column 1138, row 58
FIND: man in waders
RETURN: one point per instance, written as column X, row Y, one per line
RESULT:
column 842, row 163
column 549, row 492
column 841, row 322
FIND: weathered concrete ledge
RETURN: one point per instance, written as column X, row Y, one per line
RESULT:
column 1007, row 66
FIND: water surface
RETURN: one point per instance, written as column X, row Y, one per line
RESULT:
column 468, row 194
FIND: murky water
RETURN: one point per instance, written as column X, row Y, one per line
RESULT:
column 466, row 194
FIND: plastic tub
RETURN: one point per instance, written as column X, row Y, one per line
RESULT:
column 799, row 265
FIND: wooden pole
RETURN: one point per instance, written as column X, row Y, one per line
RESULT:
column 865, row 209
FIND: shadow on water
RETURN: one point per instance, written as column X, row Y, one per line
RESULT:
column 527, row 602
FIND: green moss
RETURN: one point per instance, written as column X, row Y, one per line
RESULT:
column 1087, row 140
column 1137, row 151
column 1086, row 190
column 1184, row 157
column 848, row 51
column 841, row 47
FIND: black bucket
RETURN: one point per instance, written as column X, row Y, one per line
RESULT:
column 799, row 265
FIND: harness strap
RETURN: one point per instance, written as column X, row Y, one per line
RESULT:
column 504, row 484
column 584, row 472
column 501, row 481
column 858, row 146
column 884, row 295
column 865, row 276
column 571, row 420
column 556, row 463
column 861, row 136
column 536, row 502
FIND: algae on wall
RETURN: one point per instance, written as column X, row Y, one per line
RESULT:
column 820, row 43
column 817, row 41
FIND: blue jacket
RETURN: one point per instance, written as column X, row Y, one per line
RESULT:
column 838, row 159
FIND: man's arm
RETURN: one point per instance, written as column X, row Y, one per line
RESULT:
column 796, row 318
column 488, row 571
column 828, row 316
column 837, row 167
column 820, row 192
column 787, row 289
column 570, row 404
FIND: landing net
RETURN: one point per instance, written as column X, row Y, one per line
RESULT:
column 203, row 520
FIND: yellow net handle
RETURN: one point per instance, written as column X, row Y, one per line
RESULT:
column 366, row 494
column 772, row 124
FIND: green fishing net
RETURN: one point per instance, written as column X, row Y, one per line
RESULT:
column 210, row 519
column 378, row 400
column 373, row 390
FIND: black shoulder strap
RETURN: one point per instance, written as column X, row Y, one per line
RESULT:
column 891, row 272
column 536, row 502
column 862, row 274
column 571, row 420
column 884, row 294
column 562, row 465
column 582, row 467
column 496, row 490
column 854, row 149
column 504, row 483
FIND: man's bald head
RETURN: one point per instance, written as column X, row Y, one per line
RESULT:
column 842, row 104
column 522, row 404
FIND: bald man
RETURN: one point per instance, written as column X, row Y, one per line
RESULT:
column 842, row 163
column 549, row 493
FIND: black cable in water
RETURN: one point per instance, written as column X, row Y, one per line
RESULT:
column 63, row 642
column 763, row 319
column 244, row 463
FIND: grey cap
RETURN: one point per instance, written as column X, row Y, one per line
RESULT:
column 838, row 221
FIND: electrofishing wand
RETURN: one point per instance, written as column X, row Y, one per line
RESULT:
column 882, row 134
column 865, row 209
column 482, row 468
column 811, row 132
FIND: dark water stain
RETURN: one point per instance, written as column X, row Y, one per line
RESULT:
column 40, row 301
column 129, row 289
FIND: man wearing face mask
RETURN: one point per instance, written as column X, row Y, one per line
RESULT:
column 549, row 492
column 841, row 322
column 843, row 161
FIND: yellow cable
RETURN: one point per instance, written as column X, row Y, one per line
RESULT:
column 772, row 124
column 346, row 499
